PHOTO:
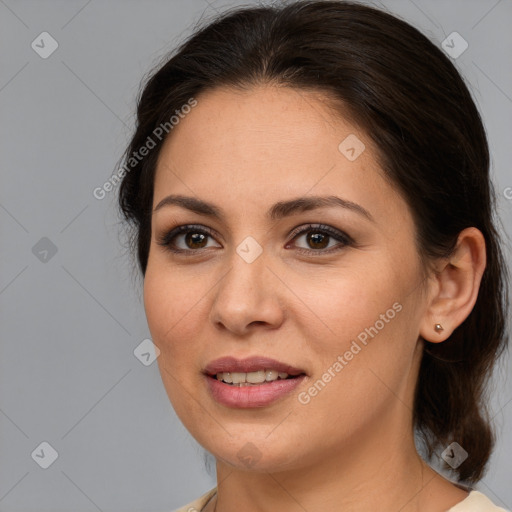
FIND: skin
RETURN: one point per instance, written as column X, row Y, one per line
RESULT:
column 351, row 447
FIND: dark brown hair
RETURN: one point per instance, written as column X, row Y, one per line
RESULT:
column 408, row 97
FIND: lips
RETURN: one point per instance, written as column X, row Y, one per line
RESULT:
column 250, row 364
column 237, row 393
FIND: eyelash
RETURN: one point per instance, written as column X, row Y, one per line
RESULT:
column 166, row 239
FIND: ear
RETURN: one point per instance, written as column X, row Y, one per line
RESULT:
column 454, row 288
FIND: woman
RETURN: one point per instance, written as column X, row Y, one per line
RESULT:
column 312, row 214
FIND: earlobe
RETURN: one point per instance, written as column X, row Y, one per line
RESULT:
column 456, row 287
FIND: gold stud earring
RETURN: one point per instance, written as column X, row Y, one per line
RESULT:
column 438, row 328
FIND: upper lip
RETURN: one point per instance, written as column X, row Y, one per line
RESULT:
column 249, row 364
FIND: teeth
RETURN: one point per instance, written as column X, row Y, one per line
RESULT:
column 238, row 377
column 270, row 375
column 255, row 377
column 258, row 377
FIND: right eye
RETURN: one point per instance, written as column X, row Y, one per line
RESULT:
column 194, row 238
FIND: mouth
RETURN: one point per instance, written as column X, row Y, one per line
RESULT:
column 251, row 370
column 253, row 382
column 255, row 378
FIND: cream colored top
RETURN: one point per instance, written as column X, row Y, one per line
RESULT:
column 475, row 502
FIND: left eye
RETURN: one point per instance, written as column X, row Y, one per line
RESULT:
column 316, row 236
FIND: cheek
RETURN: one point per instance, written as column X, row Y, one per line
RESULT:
column 362, row 339
column 171, row 307
column 349, row 303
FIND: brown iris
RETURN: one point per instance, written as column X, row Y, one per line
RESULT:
column 317, row 240
column 195, row 238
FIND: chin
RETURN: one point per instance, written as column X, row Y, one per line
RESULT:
column 251, row 453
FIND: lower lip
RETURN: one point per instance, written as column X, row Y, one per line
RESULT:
column 256, row 395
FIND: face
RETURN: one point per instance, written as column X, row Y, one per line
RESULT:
column 333, row 290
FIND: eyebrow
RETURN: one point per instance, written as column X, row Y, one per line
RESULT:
column 277, row 211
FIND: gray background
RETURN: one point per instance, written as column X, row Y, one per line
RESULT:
column 70, row 323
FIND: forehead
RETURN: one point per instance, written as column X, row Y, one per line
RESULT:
column 268, row 143
column 256, row 123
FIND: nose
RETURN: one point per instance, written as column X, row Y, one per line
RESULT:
column 249, row 294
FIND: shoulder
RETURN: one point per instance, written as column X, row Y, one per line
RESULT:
column 199, row 503
column 476, row 502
